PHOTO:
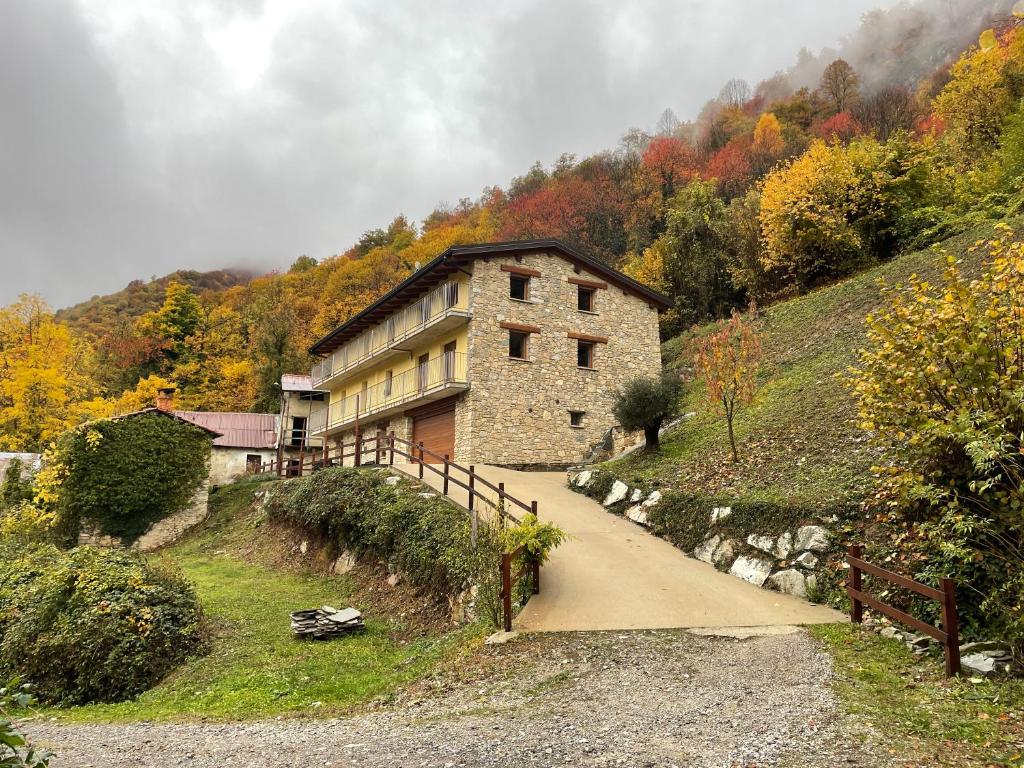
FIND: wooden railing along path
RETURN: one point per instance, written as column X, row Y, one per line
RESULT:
column 381, row 450
column 948, row 634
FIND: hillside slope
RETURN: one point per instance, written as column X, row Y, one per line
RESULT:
column 798, row 442
column 98, row 314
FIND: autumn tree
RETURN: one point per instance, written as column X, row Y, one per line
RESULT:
column 728, row 360
column 939, row 391
column 735, row 93
column 768, row 144
column 840, row 85
column 888, row 110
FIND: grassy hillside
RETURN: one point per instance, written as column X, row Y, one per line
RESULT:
column 798, row 441
column 99, row 314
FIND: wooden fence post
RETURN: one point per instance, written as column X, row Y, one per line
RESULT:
column 951, row 626
column 506, row 590
column 421, row 459
column 856, row 606
column 533, row 509
column 391, row 449
column 446, row 470
column 472, row 505
column 359, row 448
column 536, row 576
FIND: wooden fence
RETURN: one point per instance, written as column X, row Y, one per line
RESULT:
column 948, row 634
column 382, row 449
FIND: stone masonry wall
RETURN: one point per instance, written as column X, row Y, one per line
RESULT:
column 517, row 412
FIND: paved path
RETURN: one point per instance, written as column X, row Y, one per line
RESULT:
column 613, row 574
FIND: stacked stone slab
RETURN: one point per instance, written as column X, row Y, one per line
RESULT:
column 326, row 623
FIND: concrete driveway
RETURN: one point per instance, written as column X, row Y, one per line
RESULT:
column 613, row 574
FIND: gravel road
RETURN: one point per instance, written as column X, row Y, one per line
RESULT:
column 646, row 698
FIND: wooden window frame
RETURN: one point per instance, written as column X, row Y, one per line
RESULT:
column 525, row 336
column 590, row 346
column 591, row 293
column 512, row 278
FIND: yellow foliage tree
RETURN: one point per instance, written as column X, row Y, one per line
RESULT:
column 768, row 140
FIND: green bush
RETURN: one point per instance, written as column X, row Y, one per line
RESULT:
column 89, row 624
column 124, row 475
column 644, row 403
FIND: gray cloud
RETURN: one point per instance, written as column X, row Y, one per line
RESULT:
column 137, row 137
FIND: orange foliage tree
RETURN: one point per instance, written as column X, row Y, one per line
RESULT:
column 728, row 360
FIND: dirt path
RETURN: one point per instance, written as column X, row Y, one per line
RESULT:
column 613, row 574
column 652, row 698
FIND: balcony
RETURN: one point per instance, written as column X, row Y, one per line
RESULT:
column 438, row 312
column 437, row 378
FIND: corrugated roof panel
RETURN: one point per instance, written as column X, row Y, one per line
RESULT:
column 237, row 430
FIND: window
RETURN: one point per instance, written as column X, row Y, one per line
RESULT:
column 518, row 345
column 585, row 299
column 576, row 418
column 585, row 354
column 389, row 377
column 298, row 438
column 316, row 397
column 519, row 287
column 253, row 462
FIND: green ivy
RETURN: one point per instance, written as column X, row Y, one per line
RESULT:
column 125, row 474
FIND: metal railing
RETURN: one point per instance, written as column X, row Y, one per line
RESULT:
column 425, row 378
column 439, row 303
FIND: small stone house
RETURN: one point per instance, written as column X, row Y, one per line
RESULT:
column 501, row 353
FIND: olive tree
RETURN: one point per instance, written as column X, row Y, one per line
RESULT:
column 644, row 403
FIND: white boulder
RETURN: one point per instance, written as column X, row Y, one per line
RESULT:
column 720, row 513
column 813, row 538
column 764, row 543
column 790, row 581
column 807, row 560
column 706, row 551
column 653, row 499
column 638, row 514
column 637, row 495
column 784, row 545
column 752, row 569
column 582, row 480
column 345, row 563
column 725, row 552
column 616, row 494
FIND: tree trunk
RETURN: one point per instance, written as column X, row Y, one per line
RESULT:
column 651, row 436
column 732, row 441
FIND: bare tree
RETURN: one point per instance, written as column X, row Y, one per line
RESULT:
column 839, row 84
column 891, row 109
column 668, row 123
column 735, row 93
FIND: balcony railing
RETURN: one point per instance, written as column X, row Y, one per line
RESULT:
column 427, row 379
column 439, row 303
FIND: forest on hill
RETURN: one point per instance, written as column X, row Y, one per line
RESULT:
column 911, row 131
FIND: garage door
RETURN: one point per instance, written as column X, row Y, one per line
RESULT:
column 434, row 425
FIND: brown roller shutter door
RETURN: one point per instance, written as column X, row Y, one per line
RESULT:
column 435, row 426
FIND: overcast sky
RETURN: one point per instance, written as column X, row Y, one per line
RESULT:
column 142, row 136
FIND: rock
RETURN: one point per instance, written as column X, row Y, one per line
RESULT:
column 303, row 547
column 807, row 560
column 637, row 495
column 345, row 563
column 616, row 494
column 426, row 495
column 978, row 664
column 638, row 514
column 653, row 499
column 986, row 645
column 583, row 478
column 751, row 569
column 784, row 545
column 892, row 633
column 813, row 538
column 919, row 642
column 790, row 581
column 391, row 480
column 706, row 551
column 764, row 543
column 720, row 513
column 500, row 638
column 394, row 579
column 725, row 553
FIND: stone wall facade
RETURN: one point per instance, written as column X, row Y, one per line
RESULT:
column 228, row 464
column 517, row 412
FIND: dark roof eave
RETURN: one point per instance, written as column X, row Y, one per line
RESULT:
column 661, row 301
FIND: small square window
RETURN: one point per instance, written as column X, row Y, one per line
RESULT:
column 585, row 299
column 576, row 418
column 519, row 287
column 518, row 345
column 585, row 354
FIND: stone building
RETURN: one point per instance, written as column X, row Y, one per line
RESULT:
column 503, row 353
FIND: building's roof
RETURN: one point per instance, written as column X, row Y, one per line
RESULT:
column 236, row 430
column 176, row 415
column 297, row 382
column 451, row 260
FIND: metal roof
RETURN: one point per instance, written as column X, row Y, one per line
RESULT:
column 167, row 414
column 236, row 430
column 297, row 382
column 436, row 269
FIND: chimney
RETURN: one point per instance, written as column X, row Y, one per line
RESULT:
column 165, row 398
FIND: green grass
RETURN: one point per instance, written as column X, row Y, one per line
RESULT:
column 255, row 667
column 927, row 717
column 798, row 440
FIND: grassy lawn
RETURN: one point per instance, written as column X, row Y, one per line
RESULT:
column 924, row 716
column 798, row 440
column 255, row 668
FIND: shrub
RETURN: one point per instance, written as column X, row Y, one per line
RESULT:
column 645, row 403
column 123, row 475
column 91, row 625
column 15, row 749
column 941, row 388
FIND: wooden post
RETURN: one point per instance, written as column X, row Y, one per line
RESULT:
column 501, row 503
column 533, row 509
column 506, row 590
column 856, row 606
column 302, row 457
column 421, row 459
column 446, row 470
column 391, row 448
column 951, row 626
column 472, row 506
column 359, row 447
column 536, row 577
